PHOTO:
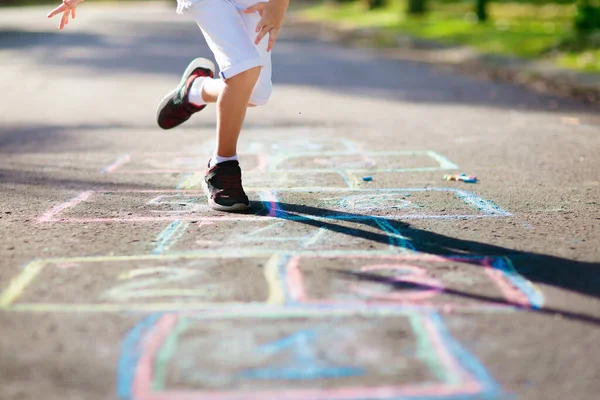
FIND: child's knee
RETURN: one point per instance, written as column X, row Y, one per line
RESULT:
column 262, row 91
column 248, row 77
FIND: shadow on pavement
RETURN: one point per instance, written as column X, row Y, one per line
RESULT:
column 576, row 276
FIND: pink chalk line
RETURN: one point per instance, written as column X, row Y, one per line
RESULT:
column 347, row 393
column 49, row 215
column 512, row 294
column 417, row 276
column 142, row 384
column 468, row 383
column 270, row 198
column 295, row 283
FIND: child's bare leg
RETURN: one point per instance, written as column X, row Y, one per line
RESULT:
column 232, row 103
column 208, row 91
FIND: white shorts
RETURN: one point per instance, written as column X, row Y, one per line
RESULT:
column 230, row 34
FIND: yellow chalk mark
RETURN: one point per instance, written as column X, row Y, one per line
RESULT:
column 137, row 288
column 193, row 181
column 18, row 284
column 158, row 257
column 271, row 270
column 115, row 307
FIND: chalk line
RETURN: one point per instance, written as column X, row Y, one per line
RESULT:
column 48, row 216
column 271, row 272
column 170, row 235
column 18, row 284
column 123, row 159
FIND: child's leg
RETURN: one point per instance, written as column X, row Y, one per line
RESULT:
column 240, row 61
column 208, row 90
column 231, row 112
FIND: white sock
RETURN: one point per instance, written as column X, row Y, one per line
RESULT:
column 195, row 94
column 216, row 159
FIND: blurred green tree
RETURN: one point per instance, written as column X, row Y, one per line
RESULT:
column 588, row 16
column 373, row 4
column 417, row 7
column 481, row 10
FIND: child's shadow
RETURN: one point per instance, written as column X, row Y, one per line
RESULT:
column 577, row 276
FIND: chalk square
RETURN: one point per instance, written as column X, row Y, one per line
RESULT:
column 294, row 139
column 272, row 180
column 395, row 204
column 300, row 140
column 122, row 283
column 289, row 236
column 170, row 163
column 365, row 161
column 187, row 356
column 143, row 206
column 409, row 280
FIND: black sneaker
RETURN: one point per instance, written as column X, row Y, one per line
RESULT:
column 224, row 185
column 175, row 108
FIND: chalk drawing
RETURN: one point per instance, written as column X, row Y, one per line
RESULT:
column 169, row 236
column 516, row 288
column 305, row 365
column 138, row 288
column 366, row 202
column 184, row 182
column 517, row 291
column 272, row 275
column 396, row 239
column 50, row 214
column 351, row 161
column 195, row 203
column 284, row 279
column 272, row 233
column 123, row 159
column 170, row 163
column 403, row 274
column 165, row 282
column 149, row 348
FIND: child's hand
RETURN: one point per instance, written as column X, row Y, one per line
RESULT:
column 272, row 14
column 67, row 8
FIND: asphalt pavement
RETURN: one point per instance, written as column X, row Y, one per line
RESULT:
column 359, row 271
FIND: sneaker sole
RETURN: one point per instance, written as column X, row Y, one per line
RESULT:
column 219, row 207
column 197, row 63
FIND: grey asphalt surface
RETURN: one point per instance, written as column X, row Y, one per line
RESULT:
column 119, row 283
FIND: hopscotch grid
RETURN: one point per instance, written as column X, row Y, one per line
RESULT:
column 267, row 162
column 280, row 303
column 515, row 297
column 284, row 279
column 427, row 328
column 273, row 210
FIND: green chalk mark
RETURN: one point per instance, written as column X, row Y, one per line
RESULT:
column 425, row 352
column 165, row 354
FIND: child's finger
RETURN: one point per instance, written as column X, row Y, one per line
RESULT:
column 57, row 10
column 257, row 7
column 273, row 34
column 73, row 13
column 265, row 29
column 64, row 20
